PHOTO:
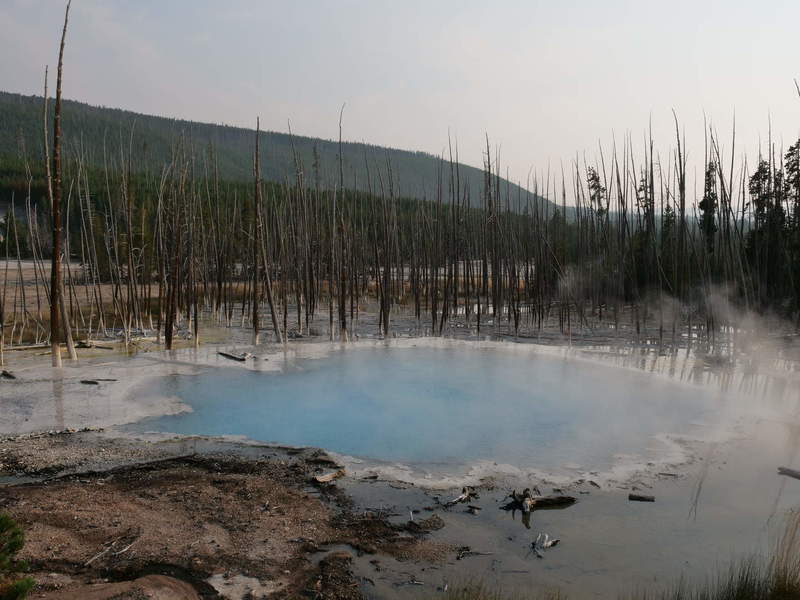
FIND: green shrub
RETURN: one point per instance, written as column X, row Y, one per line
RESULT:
column 13, row 586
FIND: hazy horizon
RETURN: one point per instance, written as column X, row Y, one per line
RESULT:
column 545, row 83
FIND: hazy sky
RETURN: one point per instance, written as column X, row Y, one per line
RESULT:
column 545, row 80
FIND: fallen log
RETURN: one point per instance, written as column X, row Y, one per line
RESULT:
column 29, row 347
column 527, row 502
column 542, row 542
column 467, row 494
column 86, row 345
column 465, row 551
column 236, row 357
column 641, row 498
column 89, row 382
column 547, row 501
column 789, row 472
column 329, row 477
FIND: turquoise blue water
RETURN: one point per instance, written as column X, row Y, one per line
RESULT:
column 430, row 405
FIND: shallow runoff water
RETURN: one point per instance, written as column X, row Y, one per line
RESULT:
column 448, row 406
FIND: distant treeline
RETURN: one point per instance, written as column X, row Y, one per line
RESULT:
column 109, row 137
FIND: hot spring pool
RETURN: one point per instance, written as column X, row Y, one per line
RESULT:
column 441, row 406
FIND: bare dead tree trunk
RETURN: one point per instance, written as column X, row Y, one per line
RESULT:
column 56, row 300
column 262, row 249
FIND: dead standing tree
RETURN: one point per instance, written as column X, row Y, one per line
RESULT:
column 260, row 253
column 57, row 308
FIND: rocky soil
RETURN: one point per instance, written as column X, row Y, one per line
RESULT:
column 115, row 518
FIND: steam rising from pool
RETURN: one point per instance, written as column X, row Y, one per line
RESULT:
column 445, row 408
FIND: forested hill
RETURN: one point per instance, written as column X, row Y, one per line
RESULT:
column 105, row 133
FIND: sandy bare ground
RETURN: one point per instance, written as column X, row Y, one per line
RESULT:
column 24, row 293
column 150, row 587
column 202, row 518
column 26, row 285
column 208, row 524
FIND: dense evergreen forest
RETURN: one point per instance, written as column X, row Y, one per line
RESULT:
column 112, row 136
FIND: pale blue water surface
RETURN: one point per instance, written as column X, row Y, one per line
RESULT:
column 440, row 406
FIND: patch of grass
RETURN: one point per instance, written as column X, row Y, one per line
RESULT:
column 753, row 578
column 13, row 586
